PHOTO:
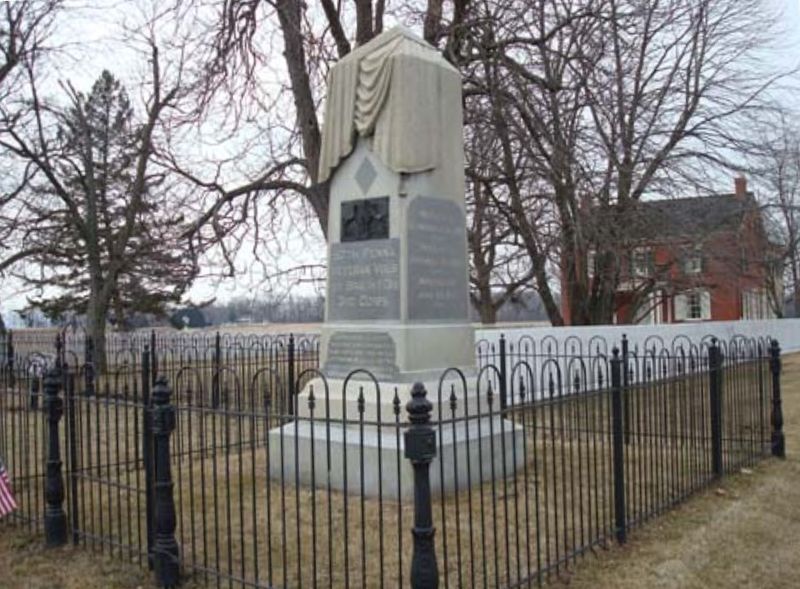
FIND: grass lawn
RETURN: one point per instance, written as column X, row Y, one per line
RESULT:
column 744, row 534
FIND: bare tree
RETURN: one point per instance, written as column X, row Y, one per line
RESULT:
column 590, row 105
column 500, row 268
column 598, row 104
column 25, row 28
column 284, row 113
column 312, row 41
column 779, row 170
column 91, row 209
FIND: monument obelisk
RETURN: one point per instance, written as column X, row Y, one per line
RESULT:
column 397, row 307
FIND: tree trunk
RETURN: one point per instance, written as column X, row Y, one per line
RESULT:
column 488, row 312
column 603, row 300
column 290, row 13
column 96, row 327
column 795, row 283
column 576, row 285
column 319, row 199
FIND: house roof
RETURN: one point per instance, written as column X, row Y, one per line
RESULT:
column 688, row 217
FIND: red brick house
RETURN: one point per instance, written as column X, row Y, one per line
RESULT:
column 695, row 259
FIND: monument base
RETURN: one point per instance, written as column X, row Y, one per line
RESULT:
column 347, row 458
column 364, row 452
column 395, row 352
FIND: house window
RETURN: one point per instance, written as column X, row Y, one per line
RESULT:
column 650, row 309
column 693, row 262
column 693, row 305
column 642, row 262
column 755, row 304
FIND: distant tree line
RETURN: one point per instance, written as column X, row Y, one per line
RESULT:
column 288, row 309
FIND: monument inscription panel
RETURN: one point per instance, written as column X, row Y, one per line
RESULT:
column 437, row 260
column 351, row 350
column 364, row 280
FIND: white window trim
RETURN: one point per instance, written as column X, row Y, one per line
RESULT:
column 637, row 271
column 682, row 310
column 756, row 305
column 693, row 262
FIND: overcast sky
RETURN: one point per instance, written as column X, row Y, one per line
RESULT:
column 97, row 24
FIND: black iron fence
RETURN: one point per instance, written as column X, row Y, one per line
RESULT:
column 247, row 467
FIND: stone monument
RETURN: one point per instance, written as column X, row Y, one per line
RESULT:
column 397, row 303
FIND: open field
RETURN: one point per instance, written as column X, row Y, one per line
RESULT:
column 679, row 528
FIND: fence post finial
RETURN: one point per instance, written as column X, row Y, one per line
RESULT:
column 166, row 552
column 420, row 442
column 55, row 519
column 778, row 439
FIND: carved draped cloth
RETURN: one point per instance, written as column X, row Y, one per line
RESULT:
column 395, row 89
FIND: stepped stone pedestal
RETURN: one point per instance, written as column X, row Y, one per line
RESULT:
column 397, row 309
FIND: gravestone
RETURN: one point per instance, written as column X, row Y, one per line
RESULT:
column 397, row 309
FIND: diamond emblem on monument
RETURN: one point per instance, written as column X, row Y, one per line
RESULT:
column 365, row 175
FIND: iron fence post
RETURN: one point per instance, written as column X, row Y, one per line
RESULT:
column 291, row 376
column 10, row 357
column 166, row 551
column 215, row 377
column 778, row 439
column 88, row 367
column 618, row 446
column 72, row 453
column 60, row 353
column 147, row 454
column 715, row 401
column 626, row 394
column 153, row 357
column 33, row 392
column 420, row 449
column 503, row 373
column 55, row 519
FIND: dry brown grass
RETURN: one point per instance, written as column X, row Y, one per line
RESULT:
column 742, row 533
column 741, row 537
column 25, row 564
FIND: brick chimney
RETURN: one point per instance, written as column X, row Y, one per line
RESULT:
column 740, row 184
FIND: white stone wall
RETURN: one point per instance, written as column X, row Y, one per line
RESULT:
column 567, row 353
column 786, row 331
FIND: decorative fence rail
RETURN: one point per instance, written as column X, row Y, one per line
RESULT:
column 208, row 462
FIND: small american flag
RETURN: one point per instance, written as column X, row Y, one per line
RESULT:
column 7, row 503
